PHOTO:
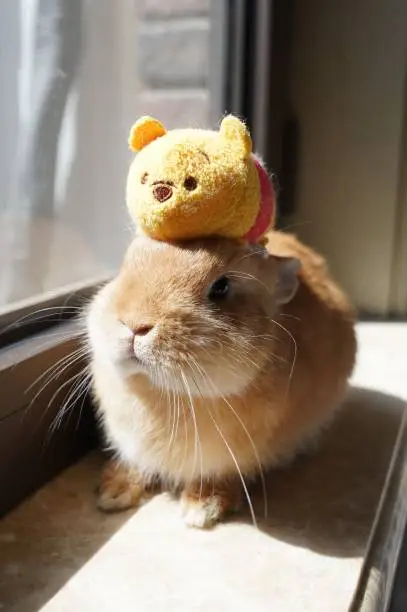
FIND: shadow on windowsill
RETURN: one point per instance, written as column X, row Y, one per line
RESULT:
column 327, row 501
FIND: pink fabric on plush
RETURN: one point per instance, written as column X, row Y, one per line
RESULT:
column 267, row 205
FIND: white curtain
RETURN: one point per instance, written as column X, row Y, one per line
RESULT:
column 70, row 90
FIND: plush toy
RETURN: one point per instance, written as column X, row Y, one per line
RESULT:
column 191, row 183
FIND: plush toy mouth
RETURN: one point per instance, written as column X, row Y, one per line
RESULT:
column 162, row 192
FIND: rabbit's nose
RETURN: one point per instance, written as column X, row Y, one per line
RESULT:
column 143, row 340
column 142, row 330
column 162, row 192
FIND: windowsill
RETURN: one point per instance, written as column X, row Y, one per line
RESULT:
column 60, row 553
column 45, row 420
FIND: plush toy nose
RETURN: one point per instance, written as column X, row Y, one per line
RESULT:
column 162, row 192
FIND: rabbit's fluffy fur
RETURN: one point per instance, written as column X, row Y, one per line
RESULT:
column 213, row 391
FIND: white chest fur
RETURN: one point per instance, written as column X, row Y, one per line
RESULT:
column 167, row 439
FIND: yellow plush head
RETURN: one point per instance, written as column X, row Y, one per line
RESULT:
column 192, row 183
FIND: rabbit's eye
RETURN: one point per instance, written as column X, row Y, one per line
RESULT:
column 144, row 178
column 219, row 289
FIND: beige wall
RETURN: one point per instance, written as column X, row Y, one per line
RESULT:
column 349, row 64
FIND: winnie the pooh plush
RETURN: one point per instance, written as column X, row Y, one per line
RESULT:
column 191, row 183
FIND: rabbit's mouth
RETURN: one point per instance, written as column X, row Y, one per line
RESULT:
column 187, row 374
column 195, row 381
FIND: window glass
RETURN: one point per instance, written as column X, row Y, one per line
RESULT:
column 75, row 74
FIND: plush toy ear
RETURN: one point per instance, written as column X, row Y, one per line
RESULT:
column 235, row 131
column 144, row 131
column 287, row 279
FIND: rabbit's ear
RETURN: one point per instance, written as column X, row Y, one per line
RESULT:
column 287, row 278
column 145, row 130
column 236, row 133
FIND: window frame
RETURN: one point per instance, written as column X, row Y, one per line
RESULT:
column 32, row 348
column 253, row 40
column 28, row 317
column 381, row 586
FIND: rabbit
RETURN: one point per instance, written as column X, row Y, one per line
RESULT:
column 212, row 361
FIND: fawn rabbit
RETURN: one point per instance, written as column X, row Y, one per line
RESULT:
column 212, row 360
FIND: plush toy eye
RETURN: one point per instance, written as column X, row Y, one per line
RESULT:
column 219, row 289
column 144, row 178
column 190, row 183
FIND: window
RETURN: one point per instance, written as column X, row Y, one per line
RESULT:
column 75, row 75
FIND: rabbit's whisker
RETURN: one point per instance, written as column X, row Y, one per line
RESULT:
column 197, row 444
column 232, row 454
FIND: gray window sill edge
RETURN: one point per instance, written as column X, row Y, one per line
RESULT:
column 382, row 583
column 44, row 426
